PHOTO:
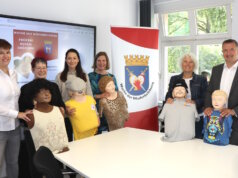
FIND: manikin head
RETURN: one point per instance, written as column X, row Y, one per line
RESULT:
column 219, row 99
column 179, row 89
column 42, row 91
column 75, row 86
column 106, row 84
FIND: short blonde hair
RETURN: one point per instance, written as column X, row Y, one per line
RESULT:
column 220, row 93
column 192, row 57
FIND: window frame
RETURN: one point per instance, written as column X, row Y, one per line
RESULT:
column 193, row 40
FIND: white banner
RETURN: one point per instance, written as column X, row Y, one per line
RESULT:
column 135, row 64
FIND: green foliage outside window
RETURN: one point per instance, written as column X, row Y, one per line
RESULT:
column 209, row 56
column 178, row 24
column 212, row 20
column 174, row 54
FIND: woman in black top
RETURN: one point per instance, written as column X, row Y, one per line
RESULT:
column 197, row 86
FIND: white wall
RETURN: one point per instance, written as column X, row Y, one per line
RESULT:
column 235, row 19
column 100, row 13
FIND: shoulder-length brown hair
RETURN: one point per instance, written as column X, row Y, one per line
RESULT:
column 79, row 70
column 101, row 53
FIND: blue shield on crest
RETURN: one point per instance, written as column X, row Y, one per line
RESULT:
column 48, row 48
column 136, row 79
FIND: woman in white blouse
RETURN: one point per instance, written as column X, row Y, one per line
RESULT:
column 9, row 114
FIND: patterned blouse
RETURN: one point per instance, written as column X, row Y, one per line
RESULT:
column 115, row 111
column 94, row 79
column 49, row 130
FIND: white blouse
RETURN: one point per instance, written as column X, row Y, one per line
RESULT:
column 9, row 94
column 189, row 95
column 49, row 130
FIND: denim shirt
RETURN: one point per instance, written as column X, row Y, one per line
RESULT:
column 198, row 87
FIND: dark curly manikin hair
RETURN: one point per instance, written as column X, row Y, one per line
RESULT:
column 39, row 84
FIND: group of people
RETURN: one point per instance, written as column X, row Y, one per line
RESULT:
column 70, row 109
column 94, row 99
column 224, row 79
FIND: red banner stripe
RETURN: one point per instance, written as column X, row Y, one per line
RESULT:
column 143, row 37
column 147, row 119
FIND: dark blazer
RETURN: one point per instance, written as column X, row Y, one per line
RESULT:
column 214, row 84
column 25, row 101
column 198, row 87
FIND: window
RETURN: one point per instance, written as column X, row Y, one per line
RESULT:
column 174, row 53
column 176, row 24
column 211, row 20
column 209, row 56
column 199, row 30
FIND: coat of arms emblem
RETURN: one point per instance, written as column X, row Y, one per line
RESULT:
column 136, row 74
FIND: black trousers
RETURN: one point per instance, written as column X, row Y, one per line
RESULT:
column 69, row 129
column 199, row 128
column 234, row 133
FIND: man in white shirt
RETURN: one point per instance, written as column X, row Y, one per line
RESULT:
column 225, row 77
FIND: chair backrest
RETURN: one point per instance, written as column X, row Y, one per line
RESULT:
column 46, row 163
column 30, row 149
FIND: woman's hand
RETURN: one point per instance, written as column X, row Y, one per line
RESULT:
column 190, row 101
column 64, row 150
column 170, row 100
column 208, row 111
column 23, row 115
column 70, row 111
column 103, row 95
column 225, row 112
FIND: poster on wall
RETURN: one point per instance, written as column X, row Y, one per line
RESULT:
column 29, row 44
column 135, row 63
column 46, row 39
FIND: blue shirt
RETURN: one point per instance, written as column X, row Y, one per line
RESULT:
column 217, row 129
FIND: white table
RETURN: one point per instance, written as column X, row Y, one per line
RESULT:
column 135, row 153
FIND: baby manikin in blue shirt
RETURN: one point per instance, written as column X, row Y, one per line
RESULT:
column 217, row 129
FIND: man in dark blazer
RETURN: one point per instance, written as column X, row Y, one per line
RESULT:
column 225, row 77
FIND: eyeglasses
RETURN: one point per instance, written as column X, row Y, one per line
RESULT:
column 41, row 68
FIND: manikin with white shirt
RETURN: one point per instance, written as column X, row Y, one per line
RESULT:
column 179, row 116
column 225, row 77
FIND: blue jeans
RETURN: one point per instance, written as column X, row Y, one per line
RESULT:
column 9, row 150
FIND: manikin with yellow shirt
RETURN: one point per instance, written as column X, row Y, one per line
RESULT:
column 85, row 119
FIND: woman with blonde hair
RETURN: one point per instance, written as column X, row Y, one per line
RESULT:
column 197, row 86
column 100, row 66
